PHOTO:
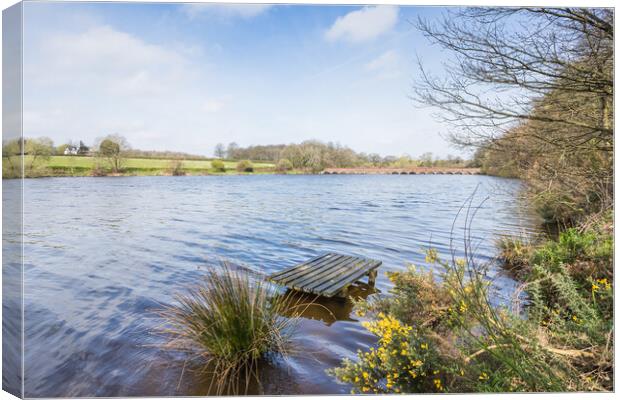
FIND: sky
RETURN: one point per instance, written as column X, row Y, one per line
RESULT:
column 184, row 77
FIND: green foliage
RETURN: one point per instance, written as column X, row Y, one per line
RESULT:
column 515, row 255
column 218, row 165
column 561, row 339
column 284, row 165
column 38, row 150
column 245, row 166
column 112, row 148
column 231, row 323
column 61, row 149
column 109, row 148
column 11, row 158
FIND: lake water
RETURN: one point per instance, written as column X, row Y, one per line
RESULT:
column 103, row 253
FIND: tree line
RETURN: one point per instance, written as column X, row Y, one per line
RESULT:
column 315, row 156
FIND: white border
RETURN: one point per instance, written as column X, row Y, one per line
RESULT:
column 557, row 3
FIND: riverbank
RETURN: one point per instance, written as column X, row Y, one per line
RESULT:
column 444, row 332
column 81, row 166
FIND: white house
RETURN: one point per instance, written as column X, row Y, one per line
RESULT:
column 71, row 151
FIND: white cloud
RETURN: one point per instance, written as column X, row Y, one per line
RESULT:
column 364, row 24
column 85, row 84
column 385, row 66
column 384, row 61
column 112, row 61
column 245, row 11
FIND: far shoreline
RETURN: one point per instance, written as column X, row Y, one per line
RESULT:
column 353, row 172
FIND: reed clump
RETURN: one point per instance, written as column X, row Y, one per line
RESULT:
column 230, row 324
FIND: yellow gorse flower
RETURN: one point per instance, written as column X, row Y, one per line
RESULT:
column 604, row 282
column 431, row 256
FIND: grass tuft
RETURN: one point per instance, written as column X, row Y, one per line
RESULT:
column 231, row 324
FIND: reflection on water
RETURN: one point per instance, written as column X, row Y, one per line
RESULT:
column 327, row 309
column 103, row 253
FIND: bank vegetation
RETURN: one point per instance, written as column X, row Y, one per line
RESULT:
column 531, row 90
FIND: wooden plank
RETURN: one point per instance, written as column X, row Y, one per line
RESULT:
column 305, row 280
column 289, row 269
column 311, row 277
column 321, row 287
column 333, row 286
column 344, row 284
column 302, row 270
column 296, row 269
column 352, row 264
column 337, row 287
column 324, row 267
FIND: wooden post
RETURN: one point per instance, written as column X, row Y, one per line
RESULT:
column 372, row 277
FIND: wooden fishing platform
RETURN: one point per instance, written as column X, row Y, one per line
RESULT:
column 327, row 275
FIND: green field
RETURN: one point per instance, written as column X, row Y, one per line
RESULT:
column 139, row 163
column 82, row 166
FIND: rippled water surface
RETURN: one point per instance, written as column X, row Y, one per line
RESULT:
column 103, row 253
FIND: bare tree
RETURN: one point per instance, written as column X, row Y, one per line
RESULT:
column 534, row 88
column 220, row 150
column 505, row 60
column 231, row 150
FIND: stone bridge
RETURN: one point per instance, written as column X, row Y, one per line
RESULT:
column 402, row 171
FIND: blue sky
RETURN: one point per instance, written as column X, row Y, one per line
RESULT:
column 185, row 77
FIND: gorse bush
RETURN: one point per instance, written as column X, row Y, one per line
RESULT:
column 447, row 335
column 230, row 324
column 218, row 165
column 245, row 166
column 402, row 362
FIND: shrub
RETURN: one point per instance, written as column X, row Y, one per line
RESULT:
column 245, row 166
column 176, row 168
column 515, row 255
column 232, row 324
column 450, row 334
column 218, row 165
column 284, row 165
column 402, row 362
